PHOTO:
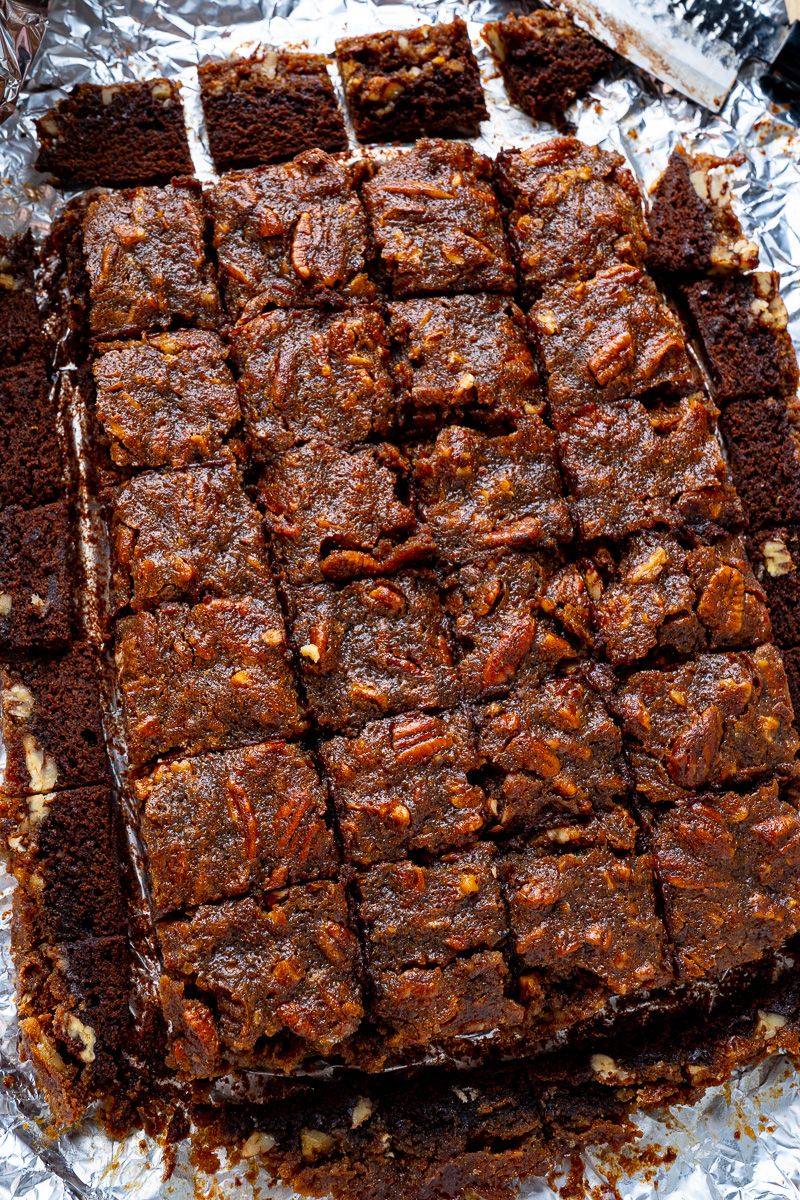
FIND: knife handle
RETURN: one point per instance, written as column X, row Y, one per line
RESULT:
column 793, row 10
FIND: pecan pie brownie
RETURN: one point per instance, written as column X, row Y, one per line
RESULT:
column 763, row 443
column 775, row 555
column 37, row 577
column 32, row 469
column 21, row 333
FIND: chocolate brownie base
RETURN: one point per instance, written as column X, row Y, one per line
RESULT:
column 775, row 555
column 31, row 462
column 763, row 444
column 21, row 335
column 37, row 578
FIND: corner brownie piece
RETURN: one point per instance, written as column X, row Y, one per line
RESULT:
column 609, row 337
column 305, row 375
column 762, row 437
column 219, row 825
column 555, row 751
column 36, row 577
column 775, row 555
column 742, row 325
column 436, row 222
column 727, row 866
column 405, row 785
column 52, row 723
column 31, row 462
column 460, row 355
column 658, row 593
column 268, row 108
column 629, row 467
column 546, row 61
column 434, row 937
column 167, row 400
column 337, row 514
column 719, row 719
column 481, row 494
column 372, row 648
column 401, row 84
column 693, row 228
column 214, row 675
column 183, row 535
column 290, row 236
column 145, row 256
column 115, row 134
column 21, row 335
column 574, row 210
column 284, row 968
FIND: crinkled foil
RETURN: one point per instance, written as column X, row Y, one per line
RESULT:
column 741, row 1141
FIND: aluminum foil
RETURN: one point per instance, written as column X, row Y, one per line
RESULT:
column 741, row 1141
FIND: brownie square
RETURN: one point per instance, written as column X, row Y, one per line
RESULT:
column 657, row 593
column 481, row 494
column 197, row 678
column 52, row 723
column 145, row 256
column 791, row 662
column 36, row 577
column 268, row 108
column 306, row 375
column 629, row 467
column 727, row 867
column 219, row 825
column 31, row 462
column 167, row 400
column 464, row 355
column 554, row 750
column 693, row 228
column 574, row 210
column 546, row 61
column 402, row 84
column 337, row 514
column 21, row 336
column 67, row 861
column 290, row 236
column 718, row 719
column 742, row 325
column 404, row 785
column 763, row 444
column 183, row 535
column 436, row 222
column 115, row 134
column 608, row 338
column 775, row 554
column 240, row 974
column 372, row 648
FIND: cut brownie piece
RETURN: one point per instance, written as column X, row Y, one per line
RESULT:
column 546, row 61
column 240, row 974
column 290, row 235
column 21, row 336
column 775, row 554
column 742, row 325
column 693, row 228
column 791, row 661
column 218, row 825
column 268, row 108
column 115, row 134
column 555, row 750
column 337, row 514
column 183, row 535
column 661, row 594
column 52, row 723
column 67, row 861
column 481, row 494
column 404, row 785
column 145, row 256
column 574, row 210
column 402, row 84
column 434, row 937
column 167, row 400
column 727, row 865
column 215, row 675
column 31, row 462
column 720, row 719
column 305, row 375
column 630, row 467
column 510, row 613
column 437, row 223
column 36, row 577
column 373, row 648
column 459, row 355
column 763, row 443
column 609, row 337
